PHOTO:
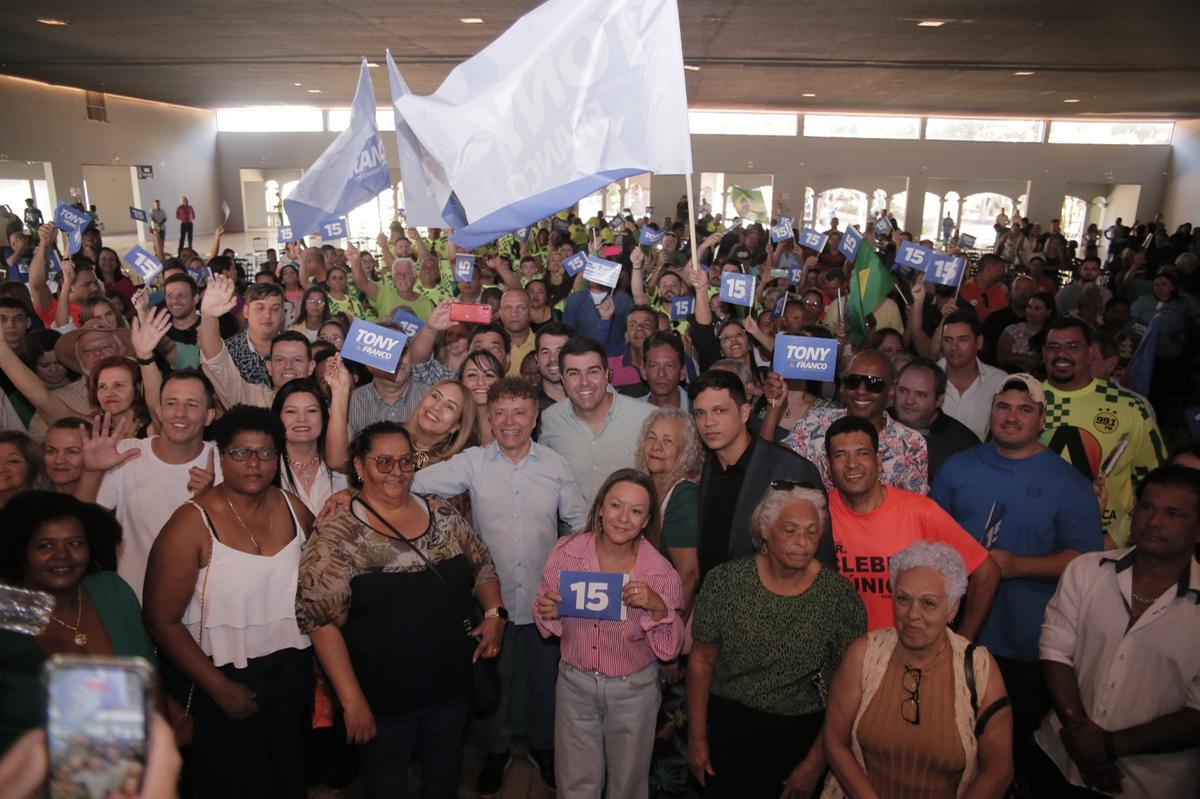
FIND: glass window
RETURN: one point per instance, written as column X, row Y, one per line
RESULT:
column 1064, row 132
column 742, row 123
column 339, row 119
column 712, row 189
column 270, row 119
column 848, row 205
column 1004, row 130
column 898, row 207
column 372, row 216
column 932, row 215
column 861, row 127
column 1073, row 216
column 979, row 212
column 13, row 193
column 591, row 205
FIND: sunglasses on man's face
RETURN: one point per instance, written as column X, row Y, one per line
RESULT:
column 876, row 385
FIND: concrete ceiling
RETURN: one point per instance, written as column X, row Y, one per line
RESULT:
column 1117, row 59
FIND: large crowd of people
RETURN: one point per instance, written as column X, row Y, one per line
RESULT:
column 966, row 565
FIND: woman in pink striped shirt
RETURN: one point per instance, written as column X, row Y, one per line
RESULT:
column 608, row 692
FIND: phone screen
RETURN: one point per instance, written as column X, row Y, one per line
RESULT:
column 96, row 726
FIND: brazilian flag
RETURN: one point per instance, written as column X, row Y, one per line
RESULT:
column 870, row 283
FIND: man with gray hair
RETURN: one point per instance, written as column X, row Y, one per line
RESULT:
column 387, row 295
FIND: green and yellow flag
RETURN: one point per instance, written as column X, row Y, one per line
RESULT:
column 749, row 203
column 870, row 283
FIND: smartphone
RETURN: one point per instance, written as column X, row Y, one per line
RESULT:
column 610, row 251
column 471, row 313
column 97, row 725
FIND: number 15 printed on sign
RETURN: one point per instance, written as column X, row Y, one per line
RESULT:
column 737, row 289
column 591, row 595
column 945, row 269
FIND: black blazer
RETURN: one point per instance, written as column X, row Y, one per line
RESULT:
column 768, row 462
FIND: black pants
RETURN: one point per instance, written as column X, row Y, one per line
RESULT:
column 262, row 756
column 753, row 752
column 1045, row 780
column 1030, row 703
column 185, row 232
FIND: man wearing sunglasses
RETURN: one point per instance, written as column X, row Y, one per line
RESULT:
column 868, row 388
column 873, row 521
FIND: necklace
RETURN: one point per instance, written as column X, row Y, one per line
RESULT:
column 295, row 464
column 1143, row 599
column 238, row 516
column 81, row 639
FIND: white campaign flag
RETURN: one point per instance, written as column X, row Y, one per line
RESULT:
column 426, row 191
column 576, row 94
column 351, row 171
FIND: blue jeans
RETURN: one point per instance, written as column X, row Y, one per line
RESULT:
column 541, row 669
column 434, row 735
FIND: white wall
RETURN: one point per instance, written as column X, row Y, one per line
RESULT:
column 1182, row 201
column 110, row 189
column 49, row 123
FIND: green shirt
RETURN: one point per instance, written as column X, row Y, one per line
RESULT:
column 777, row 653
column 22, row 697
column 388, row 299
column 681, row 522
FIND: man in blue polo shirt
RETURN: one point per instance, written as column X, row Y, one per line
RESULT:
column 1035, row 513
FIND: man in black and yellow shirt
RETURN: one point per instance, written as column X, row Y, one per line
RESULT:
column 1087, row 418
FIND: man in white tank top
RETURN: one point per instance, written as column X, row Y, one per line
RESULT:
column 144, row 480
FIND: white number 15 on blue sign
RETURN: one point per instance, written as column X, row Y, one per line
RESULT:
column 333, row 229
column 737, row 289
column 946, row 270
column 591, row 595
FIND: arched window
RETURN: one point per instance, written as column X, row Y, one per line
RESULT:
column 848, row 205
column 932, row 215
column 898, row 207
column 271, row 192
column 810, row 199
column 878, row 202
column 1074, row 217
column 979, row 212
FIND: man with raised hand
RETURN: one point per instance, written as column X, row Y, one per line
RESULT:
column 83, row 287
column 250, row 349
column 144, row 480
column 290, row 352
column 520, row 489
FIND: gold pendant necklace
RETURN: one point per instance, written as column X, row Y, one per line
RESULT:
column 81, row 639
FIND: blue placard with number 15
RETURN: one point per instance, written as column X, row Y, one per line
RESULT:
column 591, row 595
column 737, row 289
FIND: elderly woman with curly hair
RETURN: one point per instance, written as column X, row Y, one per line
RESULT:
column 917, row 710
column 668, row 449
column 769, row 632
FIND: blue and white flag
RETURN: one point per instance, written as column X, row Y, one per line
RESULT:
column 805, row 358
column 137, row 213
column 682, row 306
column 848, row 246
column 410, row 324
column 1141, row 365
column 426, row 191
column 913, row 256
column 570, row 98
column 333, row 229
column 812, row 240
column 948, row 270
column 144, row 263
column 737, row 289
column 781, row 232
column 966, row 241
column 602, row 271
column 374, row 345
column 72, row 221
column 573, row 263
column 350, row 172
column 649, row 236
column 285, row 234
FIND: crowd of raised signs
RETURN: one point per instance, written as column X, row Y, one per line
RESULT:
column 753, row 509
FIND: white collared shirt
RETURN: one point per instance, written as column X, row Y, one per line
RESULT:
column 973, row 407
column 1126, row 676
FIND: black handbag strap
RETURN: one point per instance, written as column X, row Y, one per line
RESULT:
column 466, row 620
column 969, row 670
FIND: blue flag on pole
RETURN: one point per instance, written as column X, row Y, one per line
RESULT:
column 1141, row 365
column 522, row 131
column 350, row 172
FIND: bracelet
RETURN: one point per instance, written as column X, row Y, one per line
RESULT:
column 145, row 361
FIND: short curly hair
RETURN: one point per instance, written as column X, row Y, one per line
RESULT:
column 774, row 499
column 940, row 557
column 691, row 452
column 26, row 513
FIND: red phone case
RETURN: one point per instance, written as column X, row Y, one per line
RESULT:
column 471, row 313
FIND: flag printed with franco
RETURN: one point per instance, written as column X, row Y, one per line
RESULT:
column 351, row 171
column 374, row 345
column 870, row 283
column 572, row 97
column 426, row 190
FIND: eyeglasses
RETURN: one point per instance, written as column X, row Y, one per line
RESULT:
column 910, row 709
column 242, row 454
column 1055, row 346
column 314, row 301
column 728, row 337
column 811, row 303
column 385, row 463
column 876, row 385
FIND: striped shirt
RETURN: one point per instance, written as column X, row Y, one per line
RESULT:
column 367, row 407
column 614, row 648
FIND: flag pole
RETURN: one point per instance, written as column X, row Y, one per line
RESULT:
column 695, row 245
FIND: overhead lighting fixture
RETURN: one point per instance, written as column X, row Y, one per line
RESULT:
column 691, row 67
column 808, row 94
column 53, row 22
column 1071, row 100
column 1023, row 73
column 470, row 20
column 297, row 84
column 372, row 65
column 931, row 23
column 313, row 91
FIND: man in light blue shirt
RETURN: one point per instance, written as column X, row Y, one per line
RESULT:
column 594, row 428
column 519, row 490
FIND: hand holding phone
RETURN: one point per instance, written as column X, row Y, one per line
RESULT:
column 471, row 313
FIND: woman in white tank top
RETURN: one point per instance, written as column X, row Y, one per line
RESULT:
column 220, row 603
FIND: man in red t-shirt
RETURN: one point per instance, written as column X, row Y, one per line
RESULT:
column 186, row 215
column 984, row 291
column 872, row 522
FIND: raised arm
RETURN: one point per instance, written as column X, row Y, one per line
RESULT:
column 364, row 282
column 25, row 381
column 638, row 283
column 420, row 346
column 38, row 277
column 337, row 431
column 62, row 311
column 418, row 243
column 698, row 278
column 219, row 298
column 504, row 271
column 914, row 332
column 216, row 245
column 146, row 335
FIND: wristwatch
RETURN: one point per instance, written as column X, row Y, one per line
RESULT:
column 496, row 613
column 145, row 361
